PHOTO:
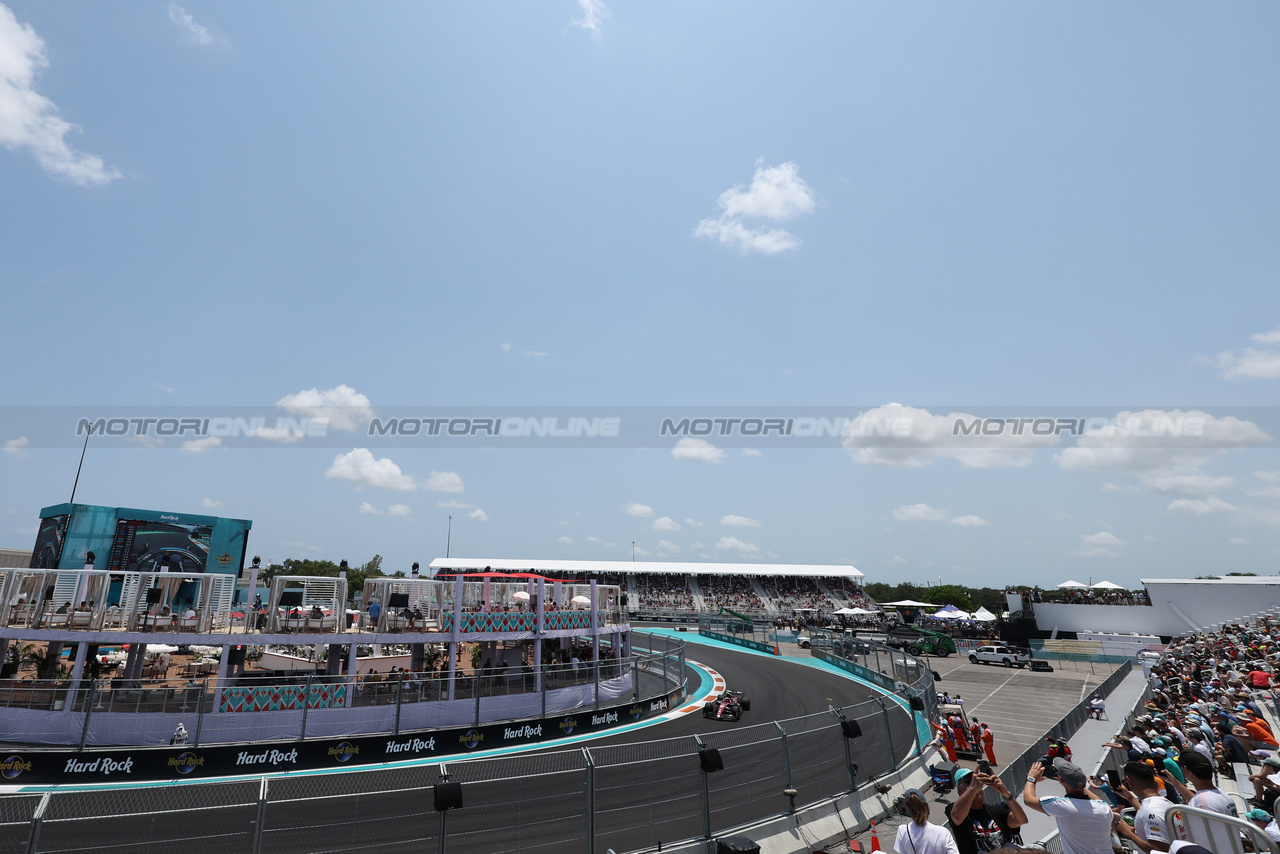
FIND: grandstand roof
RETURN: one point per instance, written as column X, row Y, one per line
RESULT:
column 772, row 570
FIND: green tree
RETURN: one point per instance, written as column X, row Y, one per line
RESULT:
column 952, row 594
column 326, row 569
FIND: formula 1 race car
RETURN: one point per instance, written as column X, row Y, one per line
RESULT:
column 730, row 704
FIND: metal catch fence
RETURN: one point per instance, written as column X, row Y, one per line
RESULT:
column 625, row 797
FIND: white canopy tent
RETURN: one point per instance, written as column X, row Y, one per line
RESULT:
column 1107, row 585
column 983, row 615
column 1072, row 585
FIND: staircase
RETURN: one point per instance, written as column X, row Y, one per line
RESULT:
column 699, row 601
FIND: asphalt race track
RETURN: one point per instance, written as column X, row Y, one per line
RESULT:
column 394, row 811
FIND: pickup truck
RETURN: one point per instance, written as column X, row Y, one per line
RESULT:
column 1008, row 656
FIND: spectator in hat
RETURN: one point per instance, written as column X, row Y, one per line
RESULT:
column 978, row 827
column 1084, row 819
column 1232, row 749
column 1257, row 730
column 1149, row 831
column 918, row 836
column 1265, row 789
column 1203, row 794
column 1265, row 821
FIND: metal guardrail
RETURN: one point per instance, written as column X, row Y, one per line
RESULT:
column 625, row 797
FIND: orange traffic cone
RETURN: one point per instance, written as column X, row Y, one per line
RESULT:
column 875, row 840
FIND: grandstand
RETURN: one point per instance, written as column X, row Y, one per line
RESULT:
column 665, row 589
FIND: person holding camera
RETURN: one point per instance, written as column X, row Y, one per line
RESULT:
column 976, row 826
column 1083, row 818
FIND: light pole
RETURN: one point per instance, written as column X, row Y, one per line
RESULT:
column 448, row 543
column 633, row 551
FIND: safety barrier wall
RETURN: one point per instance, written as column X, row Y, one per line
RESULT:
column 624, row 797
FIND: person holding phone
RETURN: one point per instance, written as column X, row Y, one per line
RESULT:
column 978, row 827
column 1149, row 831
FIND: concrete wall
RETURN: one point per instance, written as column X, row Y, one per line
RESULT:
column 1178, row 606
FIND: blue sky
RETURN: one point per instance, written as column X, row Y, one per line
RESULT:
column 562, row 203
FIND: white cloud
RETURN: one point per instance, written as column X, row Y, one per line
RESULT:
column 642, row 552
column 698, row 546
column 969, row 521
column 167, row 389
column 1198, row 507
column 478, row 515
column 368, row 509
column 752, row 452
column 344, row 407
column 919, row 513
column 453, row 504
column 600, row 542
column 1148, row 538
column 30, row 120
column 693, row 523
column 1185, row 482
column 210, row 504
column 640, row 511
column 665, row 524
column 697, row 450
column 593, row 15
column 361, row 468
column 897, row 559
column 15, row 447
column 401, row 510
column 1251, row 363
column 1238, row 541
column 668, row 547
column 1268, row 476
column 444, row 481
column 568, row 541
column 505, row 346
column 536, row 353
column 1101, row 544
column 733, row 544
column 199, row 446
column 897, row 435
column 735, row 521
column 192, row 31
column 1107, row 486
column 1164, row 449
column 776, row 193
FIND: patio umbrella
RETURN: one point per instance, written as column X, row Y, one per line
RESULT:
column 1107, row 585
column 520, row 596
column 580, row 600
column 1072, row 585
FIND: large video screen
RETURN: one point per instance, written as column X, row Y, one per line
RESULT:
column 140, row 546
column 49, row 540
